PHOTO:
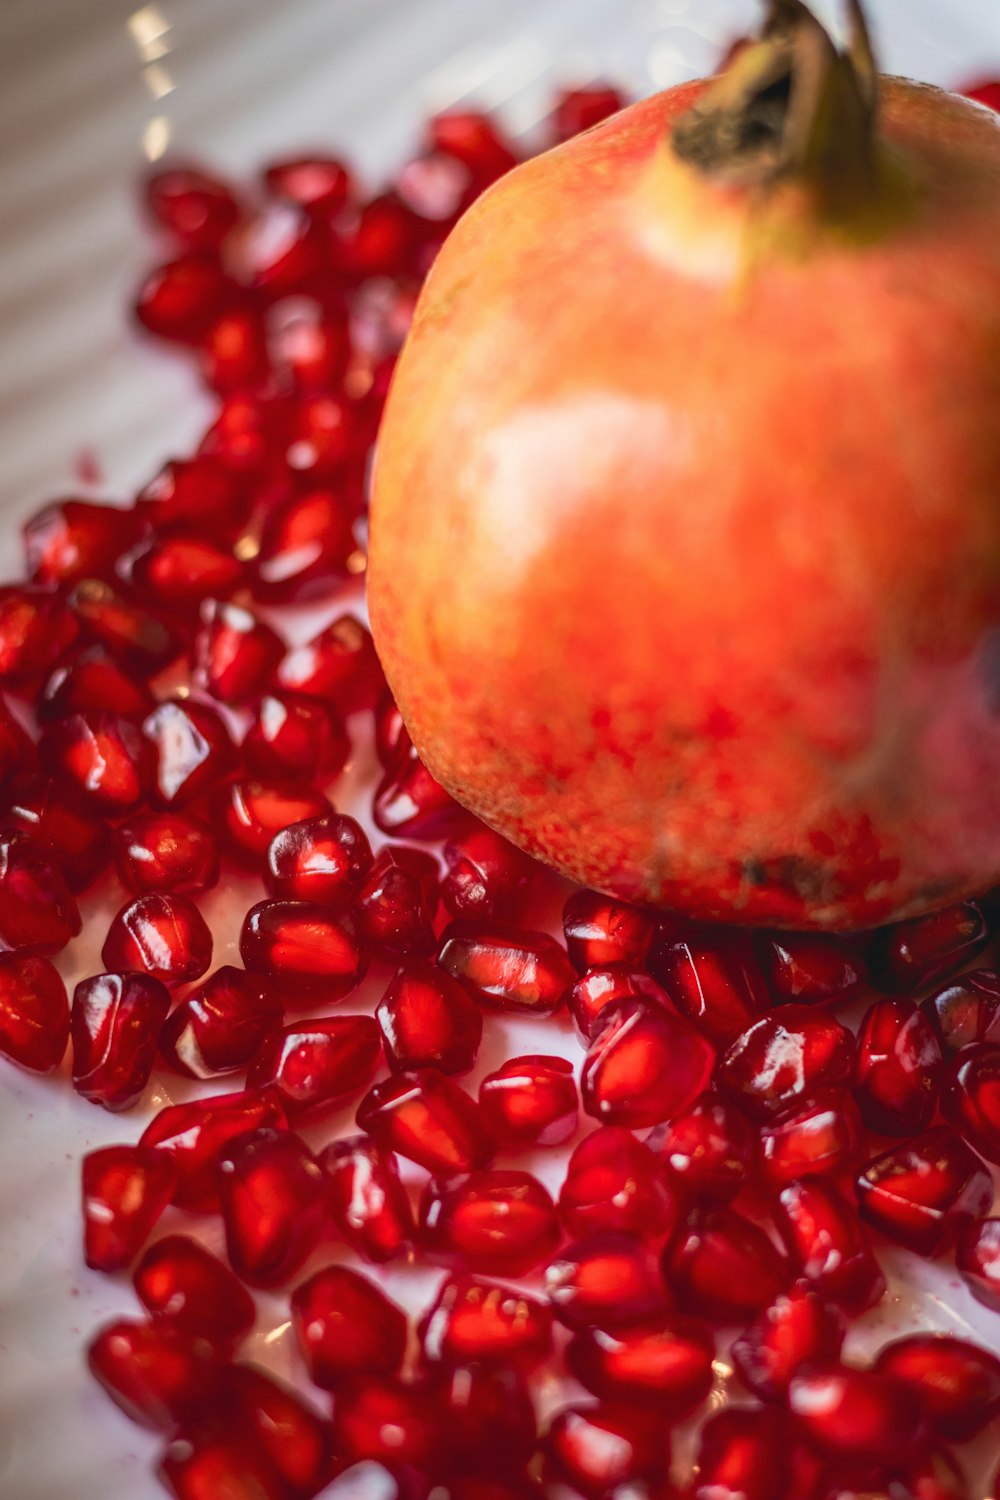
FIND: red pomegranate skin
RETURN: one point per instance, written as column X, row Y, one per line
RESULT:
column 685, row 545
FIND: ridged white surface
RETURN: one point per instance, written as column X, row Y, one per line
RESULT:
column 81, row 88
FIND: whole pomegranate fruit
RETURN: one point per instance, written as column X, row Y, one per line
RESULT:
column 685, row 547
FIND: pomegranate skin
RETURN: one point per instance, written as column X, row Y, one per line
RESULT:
column 783, row 712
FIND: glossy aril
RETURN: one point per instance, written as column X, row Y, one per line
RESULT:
column 234, row 356
column 192, row 748
column 859, row 1415
column 474, row 139
column 606, row 1280
column 195, row 493
column 101, row 755
column 62, row 819
column 977, row 1256
column 600, row 931
column 956, row 1384
column 158, row 1375
column 90, row 681
column 320, row 184
column 390, row 734
column 487, row 1411
column 966, row 1011
column 379, row 1417
column 971, row 1100
column 17, row 749
column 897, row 1069
column 599, row 1448
column 580, row 109
column 500, row 1222
column 796, row 1330
column 708, row 1149
column 987, row 92
column 292, row 738
column 179, row 1282
column 615, row 1182
column 212, row 1464
column 320, row 859
column 345, row 1325
column 827, row 1244
column 235, row 654
column 428, row 1020
column 248, row 435
column 196, row 1135
column 72, row 539
column 271, row 1192
column 167, row 852
column 409, row 803
column 598, row 988
column 712, row 978
column 812, row 968
column 744, row 1455
column 303, row 948
column 125, row 1190
column 927, row 948
column 366, row 1199
column 292, row 1436
column 427, row 1118
column 437, row 187
column 485, row 876
column 139, row 638
column 397, row 900
column 317, row 1064
column 180, row 299
column 219, row 1027
column 530, row 1101
column 919, row 1192
column 339, row 664
column 785, row 1057
column 322, row 438
column 472, row 1318
column 178, row 571
column 722, row 1267
column 507, row 967
column 252, row 813
column 280, row 253
column 34, row 1012
column 818, row 1136
column 165, row 936
column 37, row 911
column 115, row 1026
column 666, row 1364
column 195, row 209
column 645, row 1064
column 384, row 241
column 307, row 544
column 36, row 629
column 309, row 344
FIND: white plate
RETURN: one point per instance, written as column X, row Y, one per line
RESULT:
column 86, row 86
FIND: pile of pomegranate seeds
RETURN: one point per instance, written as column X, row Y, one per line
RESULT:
column 745, row 1154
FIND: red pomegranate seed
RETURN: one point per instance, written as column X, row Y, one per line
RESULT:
column 971, row 1100
column 195, row 209
column 579, row 109
column 397, row 900
column 166, row 852
column 101, row 755
column 234, row 354
column 125, row 1190
column 384, row 241
column 165, row 936
column 473, row 139
column 62, row 820
column 600, row 1448
column 956, row 1384
column 497, row 1222
column 987, row 93
column 367, row 1200
column 180, row 299
column 409, row 803
column 927, row 948
column 318, row 1064
column 473, row 1319
column 919, row 1191
column 966, row 1011
column 607, row 1280
column 138, row 638
column 784, row 1058
column 489, row 1416
column 272, row 1196
column 252, row 813
column 390, row 734
column 197, row 1134
column 977, row 1256
column 600, row 931
column 235, row 654
column 291, row 1435
column 37, row 911
column 192, row 747
column 92, row 681
column 17, row 750
column 427, row 1118
column 178, row 1282
column 714, row 980
column 667, row 1365
column 614, row 1182
column 35, row 629
column 897, row 1069
column 303, row 947
column 34, row 1012
column 293, row 738
column 73, row 539
column 428, row 1020
column 280, row 252
column 530, row 1101
column 177, row 571
column 306, row 545
column 378, row 1417
column 346, row 1326
column 318, row 859
column 339, row 664
column 211, row 1465
column 599, row 988
column 859, row 1415
column 721, row 1267
column 320, row 184
column 744, row 1455
column 644, row 1065
column 323, row 437
column 485, row 875
column 827, row 1243
column 796, row 1330
column 199, row 494
column 820, row 1136
column 507, row 967
column 810, row 968
column 220, row 1026
column 156, row 1374
column 248, row 435
column 708, row 1150
column 115, row 1025
column 310, row 345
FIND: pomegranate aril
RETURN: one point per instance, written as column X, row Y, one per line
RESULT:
column 818, row 1136
column 292, row 738
column 811, row 968
column 101, row 755
column 73, row 539
column 366, row 1199
column 722, row 1267
column 92, row 681
column 827, row 1243
column 115, row 1025
column 18, row 756
column 370, row 1480
column 927, row 948
column 310, row 345
column 197, row 1134
column 166, row 852
column 971, row 1100
column 427, row 1118
column 744, row 1455
column 987, row 93
column 196, row 494
column 219, row 1027
column 473, row 1319
column 601, row 987
column 135, row 636
column 530, row 1101
column 177, row 571
column 397, row 900
column 318, row 1064
column 292, row 1436
column 956, row 1384
column 609, row 1279
column 36, row 629
column 966, row 1011
column 303, row 948
column 784, row 1058
column 379, row 1417
column 248, row 436
column 390, row 734
column 180, row 1283
column 321, row 859
column 63, row 820
column 600, row 931
column 796, row 1330
column 323, row 438
column 320, row 184
column 485, row 875
column 897, row 1068
column 918, row 1192
column 487, row 1411
column 280, row 252
column 195, row 209
column 125, row 1190
column 428, row 1020
column 855, row 1415
column 409, row 803
column 714, row 980
column 340, row 664
column 234, row 354
column 235, row 654
column 644, row 1065
column 306, row 547
column 600, row 1448
column 977, row 1256
column 384, row 241
column 580, row 108
column 475, row 140
column 181, row 299
column 158, row 1375
column 272, row 1196
column 708, row 1149
column 497, row 1222
column 509, row 968
column 666, row 1365
column 614, row 1182
column 252, row 813
column 346, row 1326
column 37, row 911
column 165, row 936
column 34, row 1012
column 211, row 1465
